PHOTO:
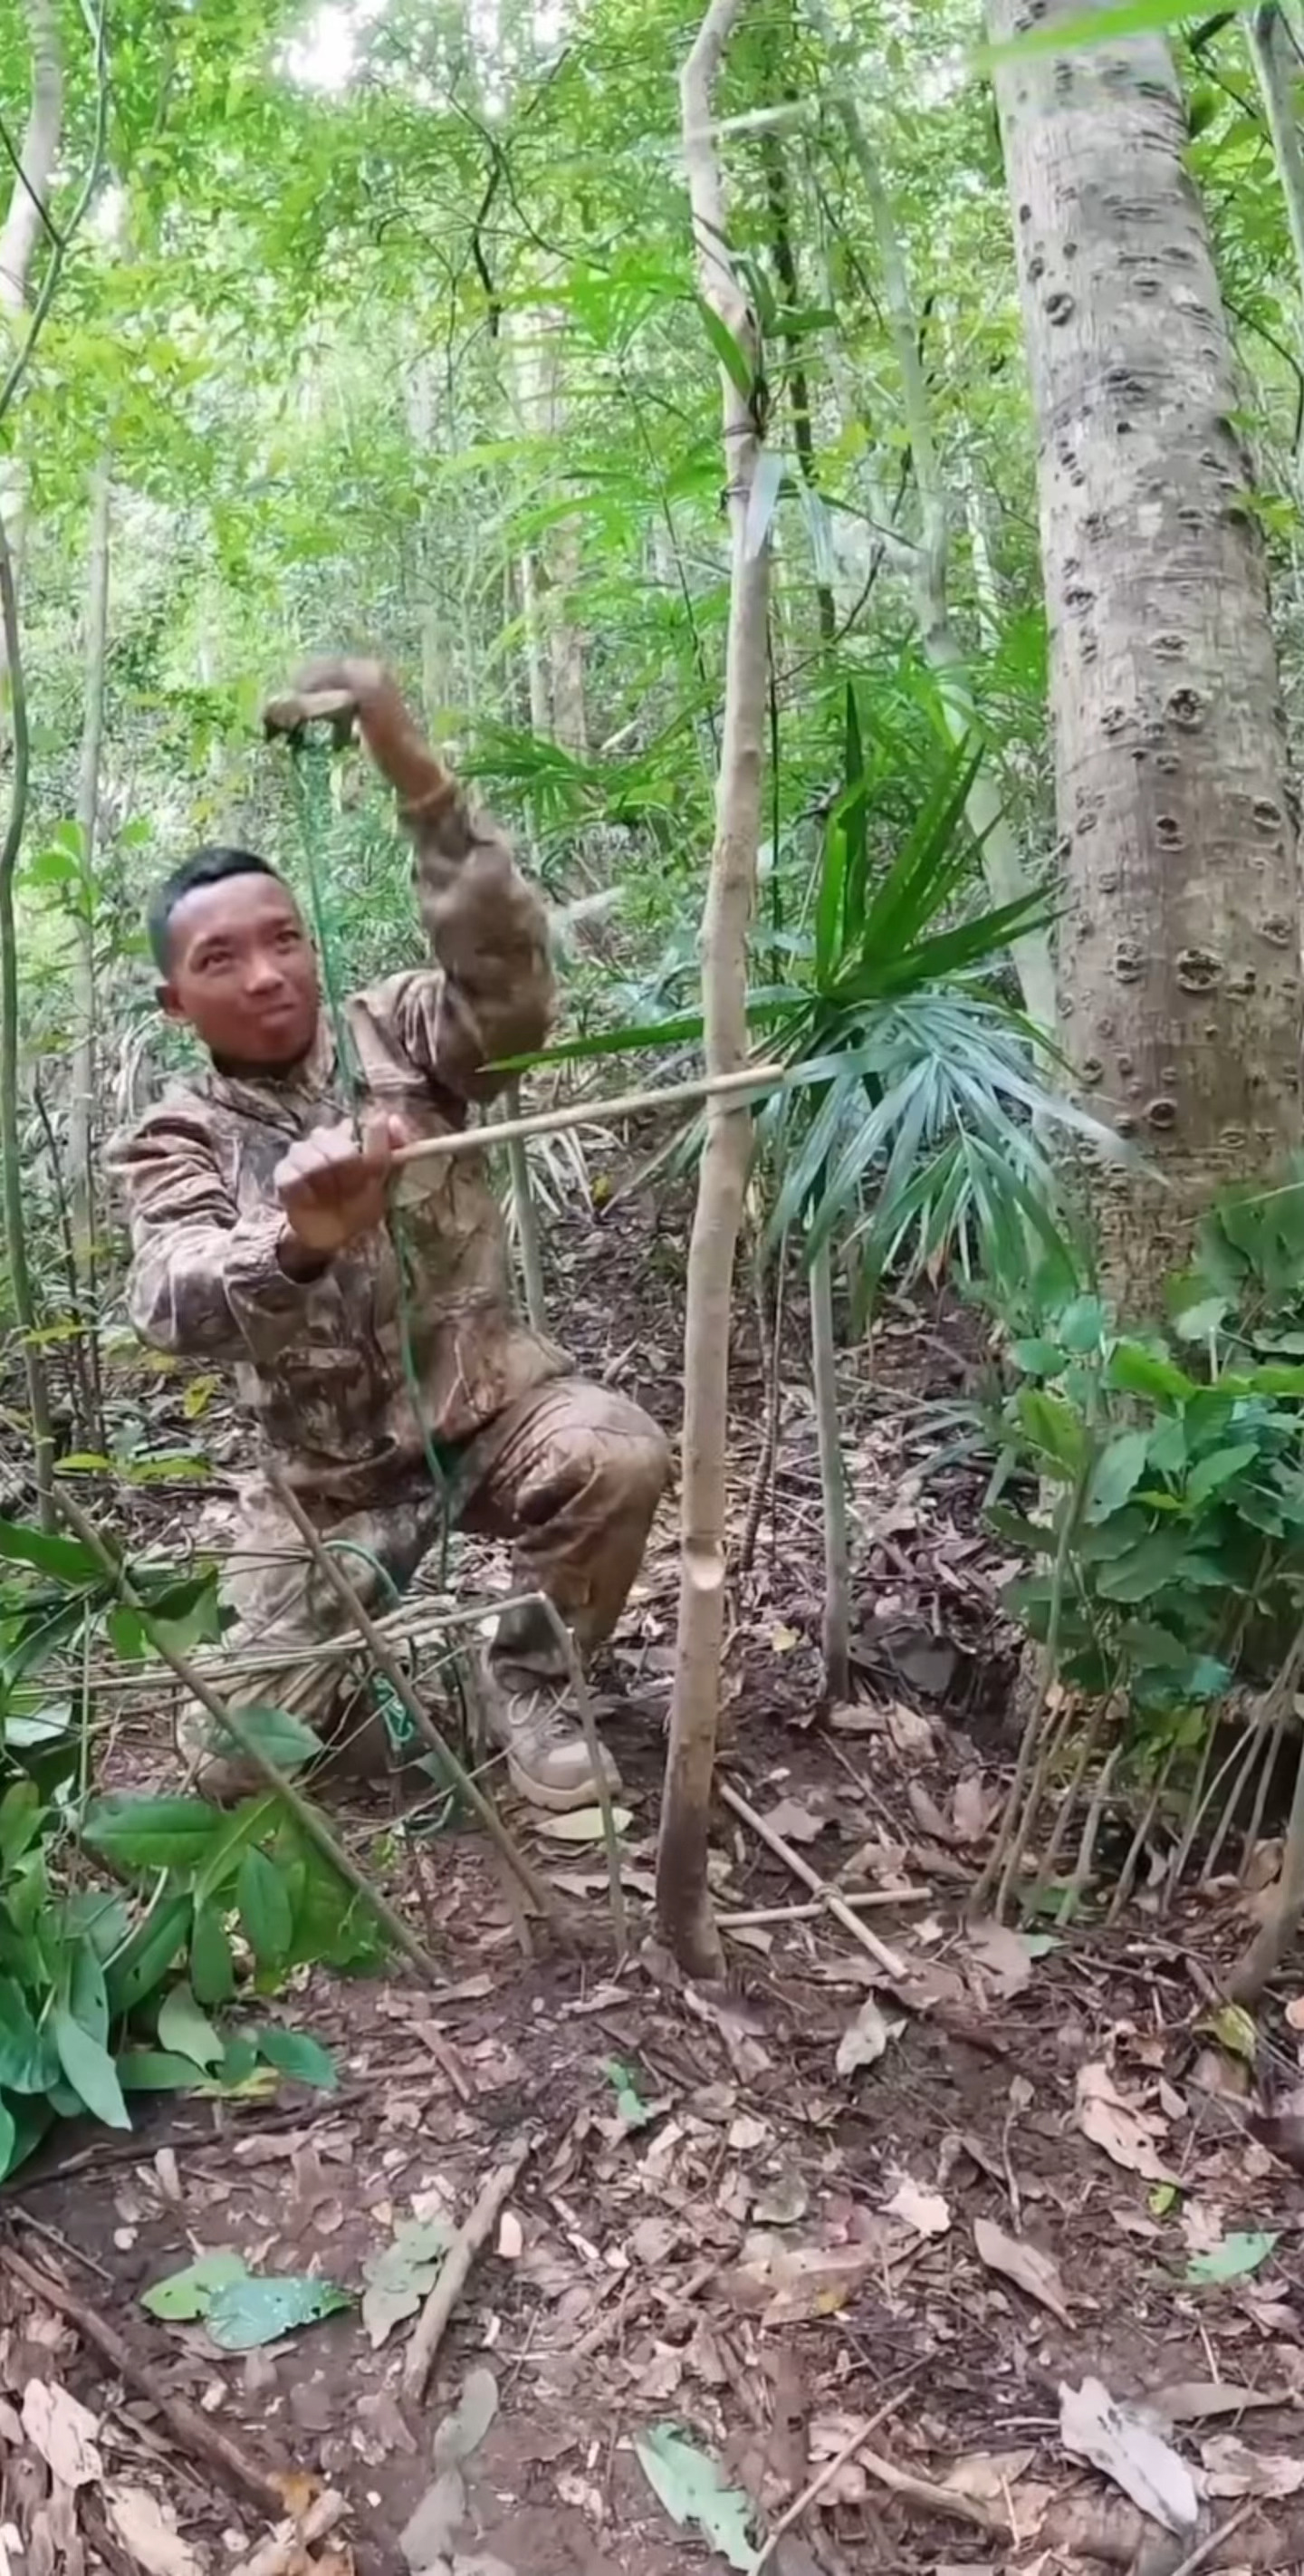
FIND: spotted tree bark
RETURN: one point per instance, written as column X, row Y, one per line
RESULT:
column 1179, row 946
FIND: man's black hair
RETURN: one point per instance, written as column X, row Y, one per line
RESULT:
column 206, row 867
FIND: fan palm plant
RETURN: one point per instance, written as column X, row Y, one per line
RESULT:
column 921, row 1110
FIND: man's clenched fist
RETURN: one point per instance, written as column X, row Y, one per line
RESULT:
column 332, row 1188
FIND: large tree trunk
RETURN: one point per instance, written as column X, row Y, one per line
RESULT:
column 1179, row 949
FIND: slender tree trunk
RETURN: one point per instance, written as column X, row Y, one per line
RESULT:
column 11, row 1162
column 836, row 1630
column 1007, row 877
column 1180, row 982
column 1277, row 68
column 81, row 1122
column 683, row 1895
column 30, row 195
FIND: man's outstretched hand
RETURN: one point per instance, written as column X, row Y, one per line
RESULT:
column 332, row 1187
column 353, row 694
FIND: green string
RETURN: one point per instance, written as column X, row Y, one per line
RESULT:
column 310, row 769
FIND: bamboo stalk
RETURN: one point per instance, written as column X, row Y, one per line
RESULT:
column 596, row 1113
column 306, row 1816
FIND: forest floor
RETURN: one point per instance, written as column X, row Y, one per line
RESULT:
column 1025, row 2170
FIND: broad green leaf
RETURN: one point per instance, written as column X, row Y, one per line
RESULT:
column 151, row 1833
column 1210, row 1474
column 1083, row 1325
column 64, row 1558
column 689, row 2485
column 185, row 2031
column 1117, row 1472
column 247, row 1824
column 29, row 2123
column 1235, row 2258
column 1052, row 1427
column 146, row 1956
column 24, row 2066
column 152, row 2070
column 1141, row 1372
column 181, row 2296
column 88, row 1995
column 89, row 2069
column 280, row 1737
column 264, row 1902
column 21, row 1811
column 1038, row 1358
column 247, row 2312
column 212, row 1968
column 294, row 2053
column 1090, row 27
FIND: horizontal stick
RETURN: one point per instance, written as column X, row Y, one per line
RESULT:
column 597, row 1113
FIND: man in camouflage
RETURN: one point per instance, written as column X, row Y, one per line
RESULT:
column 257, row 1206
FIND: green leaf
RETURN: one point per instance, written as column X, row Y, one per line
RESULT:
column 151, row 2070
column 88, row 1995
column 248, row 2312
column 146, row 1956
column 294, row 2053
column 1116, row 1473
column 1102, row 26
column 280, row 1737
column 1234, row 2258
column 212, row 1968
column 1052, row 1427
column 151, row 1833
column 64, row 1558
column 244, row 1825
column 689, row 2485
column 1157, row 1561
column 1138, row 1371
column 1210, row 1474
column 1083, row 1325
column 23, row 2062
column 21, row 1811
column 264, row 1903
column 185, row 2031
column 631, row 2109
column 89, row 2069
column 1038, row 1358
column 734, row 360
column 1196, row 1323
column 182, row 2296
column 28, row 2124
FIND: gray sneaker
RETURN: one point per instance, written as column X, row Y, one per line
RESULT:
column 532, row 1721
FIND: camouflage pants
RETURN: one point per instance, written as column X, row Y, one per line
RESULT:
column 572, row 1476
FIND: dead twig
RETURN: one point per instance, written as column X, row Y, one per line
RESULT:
column 193, row 2431
column 1213, row 2540
column 473, row 2233
column 388, row 1663
column 828, row 1896
column 824, row 2478
column 309, row 1818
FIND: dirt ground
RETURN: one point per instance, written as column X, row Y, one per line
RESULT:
column 920, row 2194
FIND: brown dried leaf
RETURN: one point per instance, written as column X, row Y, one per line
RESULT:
column 1126, row 2134
column 910, row 1732
column 795, row 1822
column 986, row 2475
column 1231, row 2468
column 1119, row 2442
column 148, row 2534
column 1003, row 1955
column 63, row 2431
column 926, row 2211
column 972, row 1807
column 1194, row 2401
column 1030, row 2270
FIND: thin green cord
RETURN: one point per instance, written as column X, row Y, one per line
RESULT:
column 310, row 768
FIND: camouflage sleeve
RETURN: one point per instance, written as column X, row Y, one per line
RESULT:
column 491, row 993
column 205, row 1282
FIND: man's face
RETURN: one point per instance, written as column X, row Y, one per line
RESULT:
column 242, row 971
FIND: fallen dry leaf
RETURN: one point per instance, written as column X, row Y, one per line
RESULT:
column 790, row 2284
column 1194, row 2401
column 63, row 2431
column 795, row 1822
column 926, row 2211
column 1126, row 2134
column 148, row 2533
column 1002, row 1953
column 927, row 1812
column 1116, row 2440
column 1024, row 2264
column 986, row 2475
column 511, row 2237
column 864, row 2039
column 1231, row 2468
column 910, row 1732
column 971, row 1808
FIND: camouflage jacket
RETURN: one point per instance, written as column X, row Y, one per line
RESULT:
column 320, row 1364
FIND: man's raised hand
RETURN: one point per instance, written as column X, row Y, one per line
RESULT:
column 332, row 1186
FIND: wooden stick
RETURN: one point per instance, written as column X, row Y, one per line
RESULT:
column 812, row 1913
column 824, row 2478
column 307, row 1817
column 392, row 1669
column 474, row 2232
column 935, row 2499
column 597, row 1113
column 1212, row 2541
column 828, row 1896
column 284, row 2550
column 195, row 2432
